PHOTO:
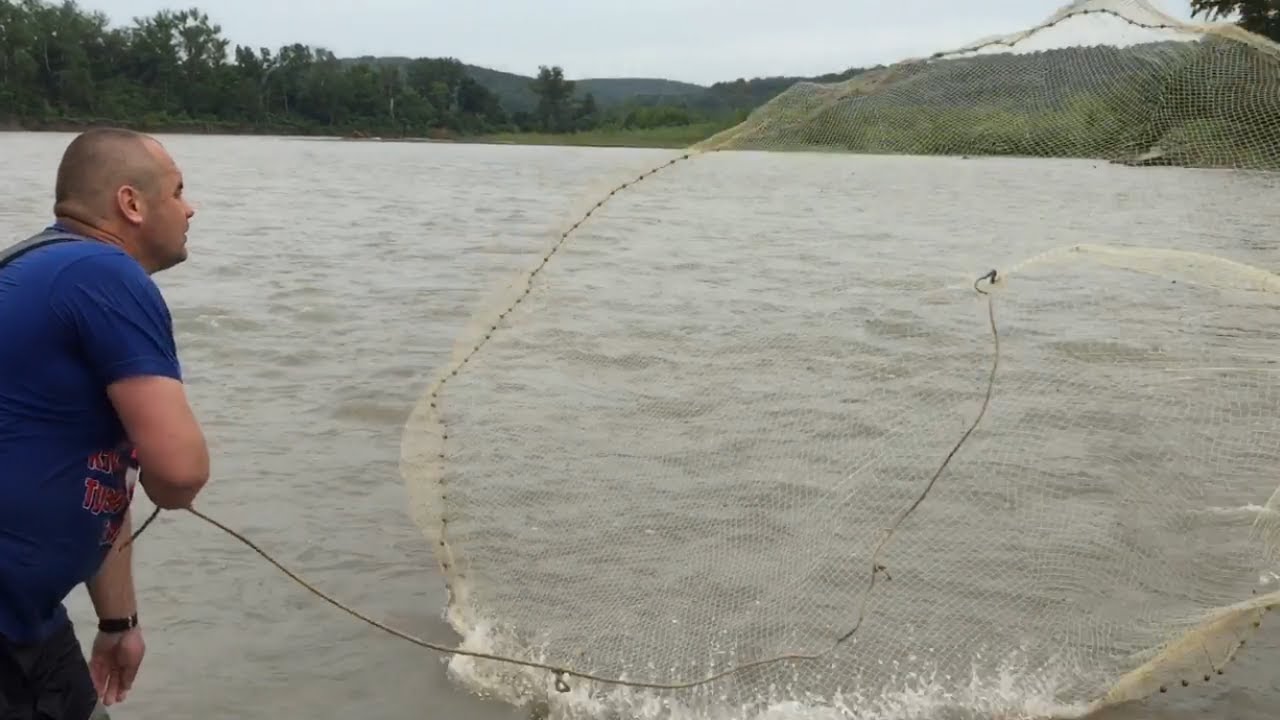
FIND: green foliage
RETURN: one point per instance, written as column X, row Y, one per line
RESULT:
column 1257, row 16
column 673, row 136
column 61, row 66
column 1210, row 103
column 174, row 70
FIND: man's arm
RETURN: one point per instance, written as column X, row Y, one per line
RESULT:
column 170, row 445
column 111, row 590
column 116, row 314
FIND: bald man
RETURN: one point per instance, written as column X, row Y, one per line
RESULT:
column 90, row 391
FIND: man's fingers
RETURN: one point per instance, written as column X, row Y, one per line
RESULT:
column 127, row 675
column 124, row 680
column 108, row 692
column 98, row 674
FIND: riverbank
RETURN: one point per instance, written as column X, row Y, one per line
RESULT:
column 660, row 137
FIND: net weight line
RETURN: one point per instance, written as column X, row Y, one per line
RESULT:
column 560, row 672
column 1233, row 31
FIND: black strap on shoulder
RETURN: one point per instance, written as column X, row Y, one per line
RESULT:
column 35, row 242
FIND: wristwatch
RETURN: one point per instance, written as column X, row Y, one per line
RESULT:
column 118, row 625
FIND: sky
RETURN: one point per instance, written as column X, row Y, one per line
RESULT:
column 699, row 41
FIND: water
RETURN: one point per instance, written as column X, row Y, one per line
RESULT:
column 328, row 279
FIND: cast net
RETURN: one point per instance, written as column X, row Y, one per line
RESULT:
column 691, row 440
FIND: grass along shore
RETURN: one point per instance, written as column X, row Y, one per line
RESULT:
column 660, row 137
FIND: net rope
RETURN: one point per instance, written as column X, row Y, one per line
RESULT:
column 656, row 465
column 709, row 476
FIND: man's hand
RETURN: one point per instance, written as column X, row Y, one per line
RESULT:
column 114, row 662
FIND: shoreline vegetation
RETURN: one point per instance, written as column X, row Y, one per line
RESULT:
column 1202, row 103
column 65, row 68
column 663, row 137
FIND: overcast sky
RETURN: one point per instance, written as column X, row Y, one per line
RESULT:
column 700, row 41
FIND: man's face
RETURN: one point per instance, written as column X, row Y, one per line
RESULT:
column 167, row 215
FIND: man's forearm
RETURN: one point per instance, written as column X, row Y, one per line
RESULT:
column 111, row 590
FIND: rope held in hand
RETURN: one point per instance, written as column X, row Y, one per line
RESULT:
column 560, row 672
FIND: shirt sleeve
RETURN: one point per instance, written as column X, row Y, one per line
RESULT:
column 117, row 316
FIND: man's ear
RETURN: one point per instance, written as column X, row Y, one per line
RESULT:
column 130, row 203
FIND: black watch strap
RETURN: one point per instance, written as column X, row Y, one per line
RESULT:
column 118, row 625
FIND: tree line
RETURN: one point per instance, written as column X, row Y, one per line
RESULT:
column 60, row 65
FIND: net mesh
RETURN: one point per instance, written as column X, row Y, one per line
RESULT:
column 1107, row 79
column 666, row 452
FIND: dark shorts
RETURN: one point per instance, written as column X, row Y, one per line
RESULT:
column 49, row 681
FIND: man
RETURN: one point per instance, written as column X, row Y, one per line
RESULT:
column 89, row 384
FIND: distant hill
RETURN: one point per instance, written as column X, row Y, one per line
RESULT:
column 514, row 92
column 516, row 96
column 1206, row 103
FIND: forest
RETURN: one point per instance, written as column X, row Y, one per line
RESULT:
column 62, row 66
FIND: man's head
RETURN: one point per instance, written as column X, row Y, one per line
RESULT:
column 124, row 188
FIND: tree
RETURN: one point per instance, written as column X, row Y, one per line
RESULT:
column 1257, row 16
column 62, row 67
column 173, row 70
column 587, row 115
column 554, row 95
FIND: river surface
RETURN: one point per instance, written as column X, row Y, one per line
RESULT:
column 328, row 280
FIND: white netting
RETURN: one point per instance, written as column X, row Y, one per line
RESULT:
column 1109, row 79
column 673, row 452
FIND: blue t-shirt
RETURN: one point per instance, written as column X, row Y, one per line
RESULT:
column 74, row 317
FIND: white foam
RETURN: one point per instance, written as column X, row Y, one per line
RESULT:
column 1001, row 690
